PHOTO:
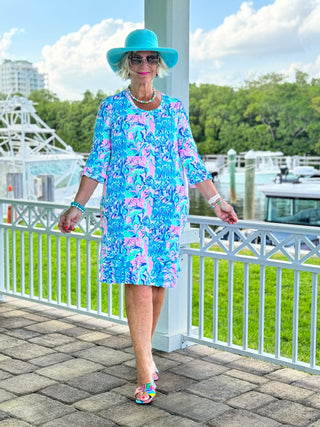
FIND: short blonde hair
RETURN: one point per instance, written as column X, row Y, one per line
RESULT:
column 124, row 67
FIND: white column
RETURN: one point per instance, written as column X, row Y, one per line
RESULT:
column 169, row 19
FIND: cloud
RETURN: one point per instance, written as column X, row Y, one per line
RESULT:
column 284, row 35
column 280, row 37
column 311, row 68
column 278, row 28
column 77, row 61
column 5, row 41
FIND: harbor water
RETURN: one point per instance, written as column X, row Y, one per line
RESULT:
column 199, row 206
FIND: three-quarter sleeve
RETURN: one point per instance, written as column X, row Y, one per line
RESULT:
column 98, row 161
column 190, row 158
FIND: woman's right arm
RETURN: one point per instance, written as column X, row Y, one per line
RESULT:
column 69, row 219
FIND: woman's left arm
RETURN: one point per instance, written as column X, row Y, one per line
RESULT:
column 222, row 209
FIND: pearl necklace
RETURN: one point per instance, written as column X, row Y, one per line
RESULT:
column 140, row 100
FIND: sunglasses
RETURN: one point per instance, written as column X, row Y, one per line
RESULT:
column 137, row 59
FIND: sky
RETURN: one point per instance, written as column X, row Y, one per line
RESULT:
column 231, row 41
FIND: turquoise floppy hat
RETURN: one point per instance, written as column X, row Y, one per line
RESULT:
column 140, row 40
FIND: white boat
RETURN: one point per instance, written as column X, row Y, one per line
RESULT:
column 294, row 201
column 33, row 158
column 267, row 166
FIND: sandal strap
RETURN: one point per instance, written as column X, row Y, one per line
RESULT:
column 148, row 388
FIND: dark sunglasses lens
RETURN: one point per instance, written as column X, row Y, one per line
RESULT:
column 137, row 60
column 152, row 59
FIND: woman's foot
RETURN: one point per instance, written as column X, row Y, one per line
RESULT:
column 155, row 374
column 145, row 393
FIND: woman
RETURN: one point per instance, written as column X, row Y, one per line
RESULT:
column 142, row 149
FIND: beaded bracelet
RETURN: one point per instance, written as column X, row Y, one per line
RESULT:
column 213, row 199
column 78, row 206
column 214, row 205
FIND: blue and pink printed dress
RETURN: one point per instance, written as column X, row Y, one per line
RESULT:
column 140, row 157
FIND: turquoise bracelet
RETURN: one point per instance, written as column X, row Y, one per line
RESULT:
column 78, row 206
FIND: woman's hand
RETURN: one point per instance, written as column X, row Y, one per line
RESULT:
column 69, row 219
column 225, row 212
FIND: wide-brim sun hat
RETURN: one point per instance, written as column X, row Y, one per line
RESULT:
column 142, row 40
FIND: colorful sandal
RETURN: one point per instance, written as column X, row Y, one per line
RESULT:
column 148, row 388
column 155, row 375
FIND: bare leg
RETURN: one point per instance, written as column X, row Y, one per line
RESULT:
column 157, row 301
column 140, row 319
column 158, row 295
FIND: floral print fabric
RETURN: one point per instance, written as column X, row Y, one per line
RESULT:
column 141, row 158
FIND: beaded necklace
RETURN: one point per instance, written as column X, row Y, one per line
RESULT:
column 140, row 100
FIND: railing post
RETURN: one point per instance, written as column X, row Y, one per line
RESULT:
column 173, row 321
column 250, row 159
column 1, row 253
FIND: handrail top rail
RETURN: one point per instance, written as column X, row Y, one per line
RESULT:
column 53, row 205
column 255, row 224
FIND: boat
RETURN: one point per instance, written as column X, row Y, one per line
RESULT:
column 34, row 160
column 293, row 199
column 267, row 166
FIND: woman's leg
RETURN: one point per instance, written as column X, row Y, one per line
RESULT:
column 158, row 295
column 139, row 307
column 157, row 301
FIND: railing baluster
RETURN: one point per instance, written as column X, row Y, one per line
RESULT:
column 22, row 264
column 201, row 297
column 78, row 273
column 314, row 305
column 14, row 260
column 215, row 299
column 49, row 268
column 99, row 299
column 261, row 308
column 189, row 290
column 110, row 308
column 295, row 322
column 40, row 264
column 58, row 242
column 121, row 301
column 7, row 253
column 88, row 275
column 68, row 271
column 31, row 266
column 230, row 303
column 245, row 305
column 278, row 313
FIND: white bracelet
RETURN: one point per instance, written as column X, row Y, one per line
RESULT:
column 213, row 199
column 216, row 204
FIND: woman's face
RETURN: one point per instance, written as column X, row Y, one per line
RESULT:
column 143, row 66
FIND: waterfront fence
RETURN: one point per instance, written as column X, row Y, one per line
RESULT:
column 247, row 290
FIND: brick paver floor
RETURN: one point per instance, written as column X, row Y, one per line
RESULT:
column 60, row 369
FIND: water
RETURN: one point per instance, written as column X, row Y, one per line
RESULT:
column 199, row 205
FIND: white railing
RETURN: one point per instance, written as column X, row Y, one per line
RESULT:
column 252, row 298
column 38, row 262
column 244, row 295
column 220, row 161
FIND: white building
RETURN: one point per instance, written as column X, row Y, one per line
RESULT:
column 21, row 77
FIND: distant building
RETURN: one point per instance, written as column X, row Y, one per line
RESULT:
column 21, row 77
